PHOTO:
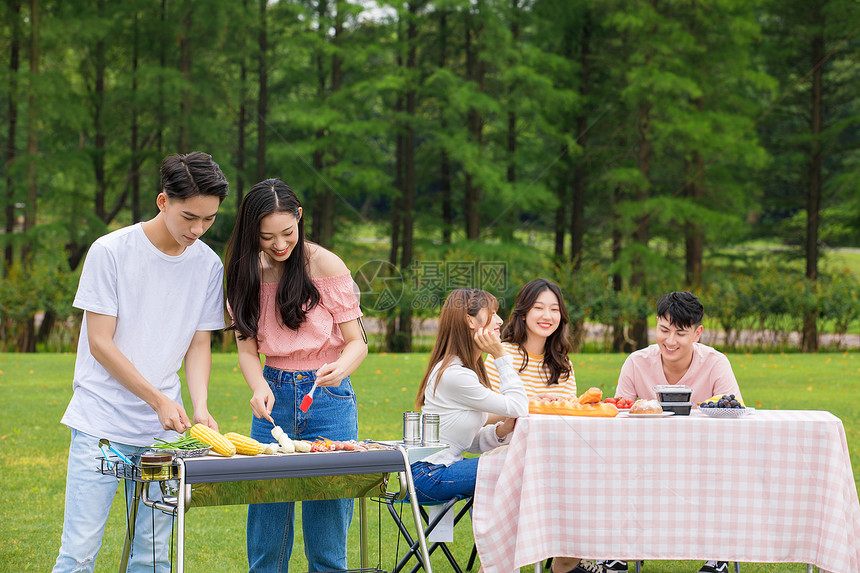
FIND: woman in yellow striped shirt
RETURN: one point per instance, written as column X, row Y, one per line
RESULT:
column 536, row 336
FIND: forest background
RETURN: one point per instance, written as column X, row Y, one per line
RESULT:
column 623, row 148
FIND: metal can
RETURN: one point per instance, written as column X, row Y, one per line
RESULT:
column 155, row 467
column 430, row 429
column 412, row 428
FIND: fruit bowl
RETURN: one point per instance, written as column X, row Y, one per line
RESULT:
column 726, row 412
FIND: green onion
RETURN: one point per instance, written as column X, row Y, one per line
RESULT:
column 183, row 443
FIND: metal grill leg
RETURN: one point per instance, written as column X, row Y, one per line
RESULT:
column 132, row 520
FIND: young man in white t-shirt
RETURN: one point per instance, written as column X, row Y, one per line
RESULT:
column 151, row 295
column 677, row 358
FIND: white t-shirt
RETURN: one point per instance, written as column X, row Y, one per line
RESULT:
column 463, row 403
column 160, row 301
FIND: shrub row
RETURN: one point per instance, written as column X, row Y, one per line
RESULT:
column 767, row 300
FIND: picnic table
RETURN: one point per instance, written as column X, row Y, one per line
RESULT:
column 771, row 487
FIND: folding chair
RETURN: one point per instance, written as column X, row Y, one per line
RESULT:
column 414, row 548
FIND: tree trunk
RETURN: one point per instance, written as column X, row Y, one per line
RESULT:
column 561, row 210
column 474, row 74
column 813, row 198
column 512, row 114
column 32, row 126
column 28, row 344
column 577, row 209
column 619, row 340
column 49, row 318
column 98, row 125
column 185, row 68
column 563, row 179
column 639, row 326
column 12, row 118
column 409, row 175
column 444, row 160
column 319, row 200
column 135, row 144
column 447, row 201
column 262, row 97
column 329, row 203
column 243, row 112
column 391, row 337
column 160, row 115
column 577, row 214
column 693, row 232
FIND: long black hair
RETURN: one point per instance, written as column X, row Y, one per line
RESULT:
column 557, row 346
column 296, row 294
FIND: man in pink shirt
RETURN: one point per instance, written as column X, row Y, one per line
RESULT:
column 677, row 358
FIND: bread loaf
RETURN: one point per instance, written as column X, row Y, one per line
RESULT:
column 646, row 407
column 572, row 408
column 591, row 396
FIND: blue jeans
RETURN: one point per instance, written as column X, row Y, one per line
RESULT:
column 439, row 483
column 89, row 495
column 333, row 415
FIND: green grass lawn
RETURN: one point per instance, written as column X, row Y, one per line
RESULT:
column 33, row 447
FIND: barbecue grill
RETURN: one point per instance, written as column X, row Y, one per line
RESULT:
column 216, row 480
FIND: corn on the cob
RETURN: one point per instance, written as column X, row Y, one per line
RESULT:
column 244, row 445
column 220, row 444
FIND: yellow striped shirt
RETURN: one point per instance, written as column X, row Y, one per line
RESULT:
column 534, row 377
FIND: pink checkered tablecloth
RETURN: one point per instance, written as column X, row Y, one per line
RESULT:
column 772, row 487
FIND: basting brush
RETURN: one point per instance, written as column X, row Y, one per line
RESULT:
column 308, row 399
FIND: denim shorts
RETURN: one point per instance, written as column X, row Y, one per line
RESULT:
column 439, row 483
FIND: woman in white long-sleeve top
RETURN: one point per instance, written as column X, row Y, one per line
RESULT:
column 456, row 387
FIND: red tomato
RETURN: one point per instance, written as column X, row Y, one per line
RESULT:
column 610, row 401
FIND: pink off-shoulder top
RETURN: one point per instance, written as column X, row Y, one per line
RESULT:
column 318, row 340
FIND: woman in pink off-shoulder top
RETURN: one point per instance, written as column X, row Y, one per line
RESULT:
column 296, row 303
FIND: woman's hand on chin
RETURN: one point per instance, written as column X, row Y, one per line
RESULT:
column 490, row 342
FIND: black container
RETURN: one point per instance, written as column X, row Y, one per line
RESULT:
column 671, row 393
column 680, row 408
